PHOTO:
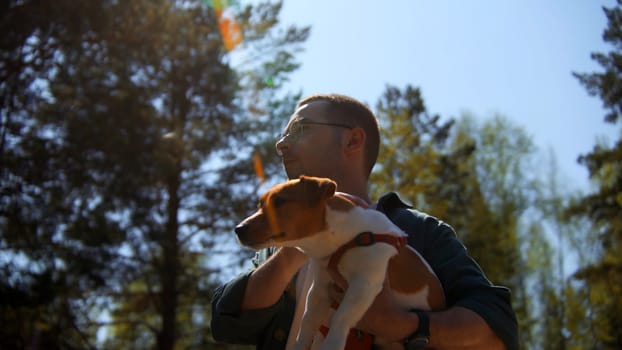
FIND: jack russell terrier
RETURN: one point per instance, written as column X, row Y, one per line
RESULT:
column 345, row 242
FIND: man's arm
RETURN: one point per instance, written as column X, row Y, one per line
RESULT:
column 454, row 328
column 461, row 328
column 479, row 315
column 245, row 309
column 268, row 282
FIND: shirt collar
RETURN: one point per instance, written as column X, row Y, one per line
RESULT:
column 390, row 201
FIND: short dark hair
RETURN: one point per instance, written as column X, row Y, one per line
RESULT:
column 353, row 113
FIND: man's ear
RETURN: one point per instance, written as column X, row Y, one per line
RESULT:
column 356, row 141
column 317, row 189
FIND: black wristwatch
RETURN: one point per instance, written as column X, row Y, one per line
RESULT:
column 421, row 337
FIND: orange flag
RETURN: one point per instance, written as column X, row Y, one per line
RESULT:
column 230, row 31
column 258, row 167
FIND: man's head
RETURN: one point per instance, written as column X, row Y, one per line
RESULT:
column 330, row 135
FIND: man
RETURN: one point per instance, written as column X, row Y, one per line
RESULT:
column 337, row 137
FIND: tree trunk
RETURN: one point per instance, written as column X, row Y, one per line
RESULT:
column 169, row 269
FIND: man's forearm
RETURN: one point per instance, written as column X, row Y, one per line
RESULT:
column 268, row 282
column 454, row 328
column 461, row 328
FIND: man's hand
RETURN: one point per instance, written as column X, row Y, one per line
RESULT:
column 454, row 328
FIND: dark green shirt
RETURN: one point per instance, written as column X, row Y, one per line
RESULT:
column 463, row 281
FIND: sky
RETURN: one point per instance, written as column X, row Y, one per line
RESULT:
column 484, row 57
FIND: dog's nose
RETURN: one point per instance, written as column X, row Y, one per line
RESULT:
column 241, row 230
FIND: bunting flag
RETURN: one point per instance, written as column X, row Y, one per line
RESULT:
column 230, row 30
column 258, row 167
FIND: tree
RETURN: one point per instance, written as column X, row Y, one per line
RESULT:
column 604, row 205
column 37, row 310
column 503, row 187
column 133, row 158
column 412, row 144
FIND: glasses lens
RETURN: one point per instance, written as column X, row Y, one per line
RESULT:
column 293, row 132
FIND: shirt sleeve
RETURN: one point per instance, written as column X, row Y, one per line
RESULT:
column 463, row 280
column 229, row 323
column 267, row 328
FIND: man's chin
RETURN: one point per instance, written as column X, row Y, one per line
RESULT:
column 293, row 173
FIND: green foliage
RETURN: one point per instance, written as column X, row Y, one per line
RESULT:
column 607, row 85
column 498, row 230
column 603, row 275
column 125, row 152
column 413, row 151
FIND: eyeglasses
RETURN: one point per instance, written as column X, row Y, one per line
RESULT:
column 296, row 129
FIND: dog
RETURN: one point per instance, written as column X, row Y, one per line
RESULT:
column 344, row 241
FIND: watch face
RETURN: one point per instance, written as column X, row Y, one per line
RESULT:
column 421, row 337
column 417, row 342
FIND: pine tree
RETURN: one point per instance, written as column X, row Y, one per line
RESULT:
column 130, row 164
column 603, row 206
column 412, row 146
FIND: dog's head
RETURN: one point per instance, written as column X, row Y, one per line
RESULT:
column 287, row 212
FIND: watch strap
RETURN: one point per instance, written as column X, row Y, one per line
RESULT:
column 420, row 338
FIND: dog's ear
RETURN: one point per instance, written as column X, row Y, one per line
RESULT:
column 318, row 189
column 327, row 188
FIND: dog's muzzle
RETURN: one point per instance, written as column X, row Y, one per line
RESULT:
column 246, row 237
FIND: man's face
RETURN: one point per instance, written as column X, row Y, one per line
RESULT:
column 311, row 144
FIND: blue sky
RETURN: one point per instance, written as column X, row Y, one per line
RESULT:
column 511, row 57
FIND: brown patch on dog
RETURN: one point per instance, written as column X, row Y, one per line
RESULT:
column 409, row 274
column 317, row 190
